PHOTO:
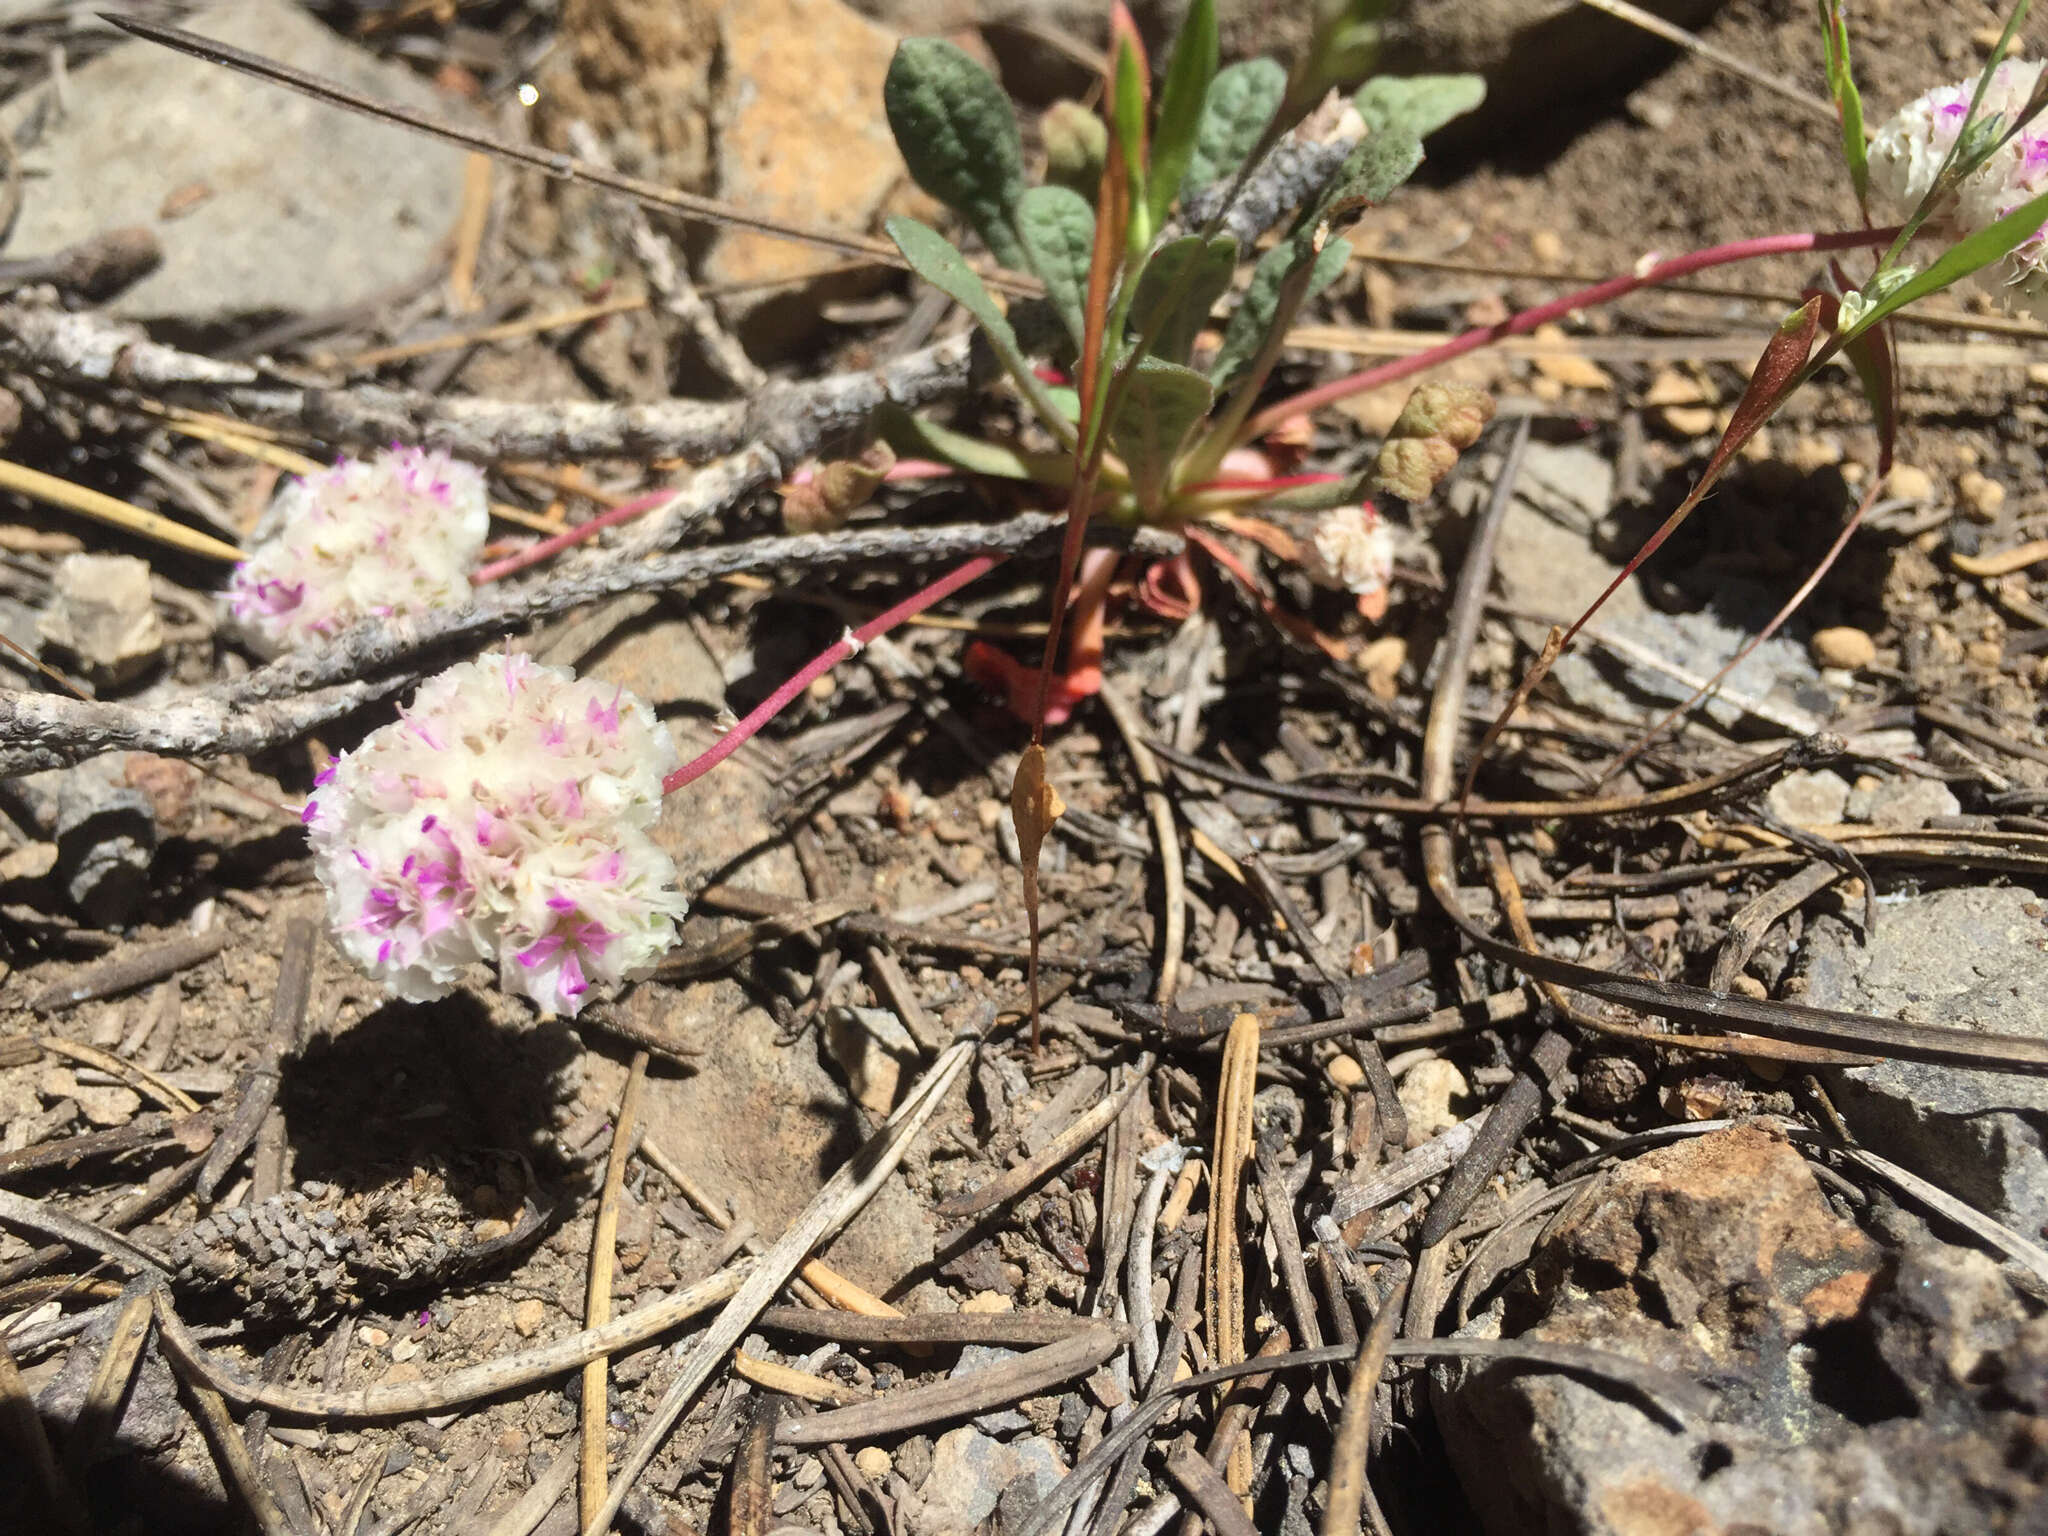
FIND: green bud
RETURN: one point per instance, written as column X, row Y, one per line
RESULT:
column 1076, row 145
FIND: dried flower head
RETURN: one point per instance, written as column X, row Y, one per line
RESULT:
column 504, row 815
column 1351, row 550
column 396, row 534
column 1909, row 150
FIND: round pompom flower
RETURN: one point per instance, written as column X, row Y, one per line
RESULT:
column 505, row 815
column 396, row 534
column 1350, row 550
column 1909, row 150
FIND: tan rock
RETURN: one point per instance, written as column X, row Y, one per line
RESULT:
column 805, row 138
column 1843, row 646
column 1909, row 482
column 874, row 1462
column 1380, row 661
column 1345, row 1071
column 31, row 861
column 1426, row 1094
column 1687, row 420
column 1810, row 452
column 1671, row 387
column 528, row 1315
column 986, row 1302
column 1570, row 371
column 1982, row 497
column 1547, row 246
column 101, row 611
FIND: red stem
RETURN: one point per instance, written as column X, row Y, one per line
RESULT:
column 824, row 662
column 1527, row 320
column 533, row 554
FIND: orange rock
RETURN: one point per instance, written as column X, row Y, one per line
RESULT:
column 804, row 137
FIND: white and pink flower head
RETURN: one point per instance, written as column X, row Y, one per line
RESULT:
column 1908, row 152
column 1351, row 550
column 394, row 535
column 505, row 815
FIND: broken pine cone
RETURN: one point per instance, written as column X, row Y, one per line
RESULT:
column 1438, row 423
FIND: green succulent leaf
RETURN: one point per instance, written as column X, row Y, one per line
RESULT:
column 1058, row 230
column 1259, row 311
column 914, row 437
column 1161, row 404
column 1181, row 103
column 1239, row 103
column 1347, row 492
column 958, row 135
column 1418, row 104
column 933, row 257
column 1180, row 286
column 1370, row 173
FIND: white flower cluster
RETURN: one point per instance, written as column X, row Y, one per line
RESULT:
column 1351, row 550
column 1909, row 150
column 396, row 534
column 504, row 815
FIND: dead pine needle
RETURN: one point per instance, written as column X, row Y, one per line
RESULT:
column 597, row 1303
column 1223, row 1258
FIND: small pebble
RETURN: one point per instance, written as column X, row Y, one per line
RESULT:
column 1909, row 482
column 1426, row 1094
column 1987, row 654
column 373, row 1336
column 1750, row 987
column 1547, row 246
column 987, row 1301
column 1809, row 799
column 874, row 1462
column 1844, row 646
column 1670, row 387
column 1345, row 1071
column 490, row 1228
column 1565, row 368
column 1982, row 497
column 528, row 1316
column 405, row 1349
column 1810, row 453
column 102, row 611
column 1687, row 420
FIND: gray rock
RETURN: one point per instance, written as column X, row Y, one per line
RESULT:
column 1549, row 567
column 1857, row 1393
column 102, row 612
column 300, row 206
column 1816, row 798
column 1902, row 804
column 150, row 1417
column 982, row 1357
column 970, row 1475
column 1969, row 959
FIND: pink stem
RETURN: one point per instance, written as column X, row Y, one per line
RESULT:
column 824, row 662
column 533, row 554
column 1266, row 486
column 1527, row 320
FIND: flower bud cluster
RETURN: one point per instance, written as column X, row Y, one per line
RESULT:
column 397, row 534
column 1351, row 550
column 505, row 815
column 1909, row 150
